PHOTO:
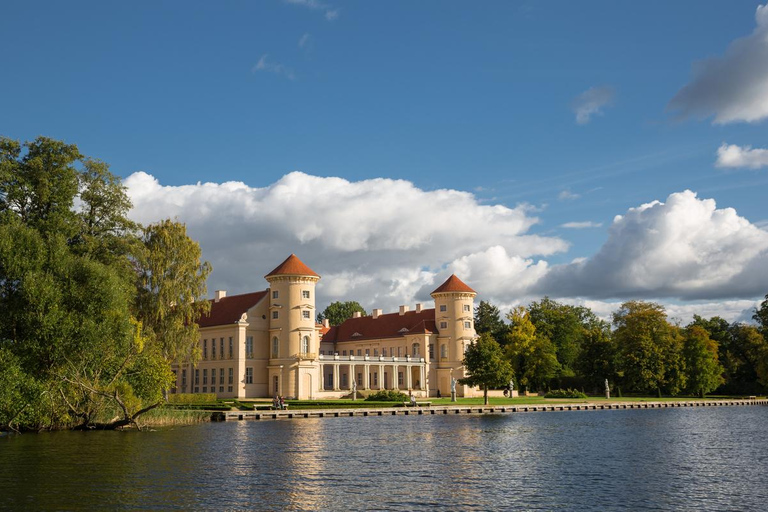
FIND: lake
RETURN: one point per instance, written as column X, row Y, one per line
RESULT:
column 666, row 459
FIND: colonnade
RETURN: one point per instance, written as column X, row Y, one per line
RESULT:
column 373, row 373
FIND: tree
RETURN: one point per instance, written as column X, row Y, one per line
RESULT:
column 337, row 312
column 703, row 370
column 649, row 348
column 533, row 356
column 597, row 359
column 486, row 365
column 565, row 326
column 761, row 316
column 488, row 319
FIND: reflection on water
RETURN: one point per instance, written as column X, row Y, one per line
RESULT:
column 679, row 459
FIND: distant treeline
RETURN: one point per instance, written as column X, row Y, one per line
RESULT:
column 93, row 307
column 555, row 345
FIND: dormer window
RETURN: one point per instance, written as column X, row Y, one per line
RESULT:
column 355, row 335
column 404, row 329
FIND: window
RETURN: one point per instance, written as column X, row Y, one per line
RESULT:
column 205, row 389
column 344, row 377
column 305, row 294
column 444, row 351
column 175, row 377
column 205, row 376
column 197, row 378
column 375, row 352
column 213, row 377
column 197, row 390
column 221, row 346
column 432, row 351
column 231, row 377
column 398, row 351
column 305, row 345
column 249, row 346
column 184, row 378
column 229, row 389
column 230, row 347
column 399, row 378
column 221, row 379
column 443, row 308
column 375, row 378
column 305, row 315
column 467, row 325
column 221, row 389
column 322, row 352
column 205, row 349
column 367, row 351
column 275, row 347
column 415, row 352
column 359, row 352
column 360, row 377
column 276, row 385
column 443, row 325
column 467, row 308
column 274, row 294
column 344, row 352
column 384, row 352
column 249, row 375
column 213, row 348
column 275, row 315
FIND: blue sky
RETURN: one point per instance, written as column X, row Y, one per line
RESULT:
column 481, row 98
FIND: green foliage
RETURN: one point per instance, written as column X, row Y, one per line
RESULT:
column 761, row 316
column 649, row 348
column 533, row 357
column 485, row 365
column 387, row 395
column 565, row 393
column 703, row 370
column 597, row 359
column 488, row 320
column 337, row 312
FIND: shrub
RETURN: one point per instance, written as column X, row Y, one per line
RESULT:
column 191, row 398
column 565, row 393
column 387, row 395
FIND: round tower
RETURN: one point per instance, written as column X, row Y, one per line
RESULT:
column 293, row 340
column 454, row 311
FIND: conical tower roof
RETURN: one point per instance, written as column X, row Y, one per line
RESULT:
column 453, row 284
column 292, row 266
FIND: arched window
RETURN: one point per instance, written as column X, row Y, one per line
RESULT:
column 275, row 347
column 444, row 351
column 415, row 350
column 305, row 345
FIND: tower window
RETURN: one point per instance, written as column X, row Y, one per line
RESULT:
column 275, row 315
column 275, row 294
column 467, row 308
column 305, row 315
column 305, row 294
column 443, row 325
column 467, row 325
column 249, row 375
column 443, row 308
column 275, row 347
column 305, row 345
column 444, row 351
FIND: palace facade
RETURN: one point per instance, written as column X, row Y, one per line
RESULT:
column 268, row 343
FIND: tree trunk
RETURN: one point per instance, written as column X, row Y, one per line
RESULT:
column 485, row 395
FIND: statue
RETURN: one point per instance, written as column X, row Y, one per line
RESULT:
column 453, row 385
column 354, row 386
column 607, row 390
column 511, row 385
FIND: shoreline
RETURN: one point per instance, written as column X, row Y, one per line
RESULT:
column 473, row 409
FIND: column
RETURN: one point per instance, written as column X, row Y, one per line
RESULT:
column 381, row 376
column 423, row 376
column 336, row 377
column 408, row 376
column 322, row 377
column 395, row 377
column 367, row 376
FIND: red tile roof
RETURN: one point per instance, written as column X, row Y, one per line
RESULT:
column 292, row 266
column 453, row 284
column 229, row 309
column 392, row 325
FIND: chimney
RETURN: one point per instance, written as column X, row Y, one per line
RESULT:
column 219, row 294
column 376, row 313
column 326, row 323
column 403, row 310
column 418, row 307
column 356, row 314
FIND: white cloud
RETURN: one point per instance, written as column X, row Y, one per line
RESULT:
column 733, row 87
column 731, row 155
column 684, row 248
column 305, row 41
column 581, row 225
column 377, row 241
column 273, row 67
column 591, row 102
column 385, row 242
column 330, row 13
column 566, row 195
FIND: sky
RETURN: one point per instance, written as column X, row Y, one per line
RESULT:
column 593, row 152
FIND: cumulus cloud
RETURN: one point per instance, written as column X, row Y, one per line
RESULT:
column 732, row 87
column 581, row 225
column 731, row 155
column 377, row 241
column 685, row 248
column 591, row 102
column 273, row 67
column 330, row 13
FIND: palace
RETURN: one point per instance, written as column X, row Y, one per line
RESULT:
column 268, row 343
